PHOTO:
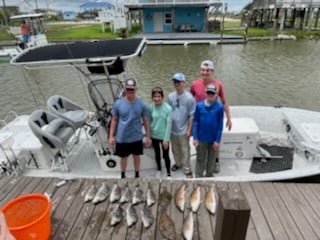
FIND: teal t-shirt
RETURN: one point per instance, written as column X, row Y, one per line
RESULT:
column 160, row 121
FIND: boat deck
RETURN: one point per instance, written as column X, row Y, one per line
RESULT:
column 278, row 210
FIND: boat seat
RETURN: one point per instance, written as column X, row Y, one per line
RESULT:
column 53, row 132
column 67, row 109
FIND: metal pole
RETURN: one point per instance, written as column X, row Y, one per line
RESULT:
column 5, row 13
column 36, row 4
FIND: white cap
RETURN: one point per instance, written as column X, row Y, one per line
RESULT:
column 207, row 64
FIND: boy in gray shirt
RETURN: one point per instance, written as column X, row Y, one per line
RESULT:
column 183, row 107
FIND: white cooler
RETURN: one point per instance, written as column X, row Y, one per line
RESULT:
column 241, row 141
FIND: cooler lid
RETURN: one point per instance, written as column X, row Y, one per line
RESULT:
column 242, row 126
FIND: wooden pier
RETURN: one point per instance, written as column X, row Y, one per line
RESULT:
column 278, row 210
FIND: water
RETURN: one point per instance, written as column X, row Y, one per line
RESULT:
column 283, row 73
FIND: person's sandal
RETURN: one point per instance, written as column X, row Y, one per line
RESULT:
column 174, row 168
column 189, row 175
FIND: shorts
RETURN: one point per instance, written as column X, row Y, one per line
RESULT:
column 125, row 149
column 25, row 38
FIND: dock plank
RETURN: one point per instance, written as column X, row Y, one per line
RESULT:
column 173, row 211
column 13, row 189
column 310, row 192
column 270, row 213
column 259, row 221
column 83, row 220
column 306, row 208
column 296, row 213
column 204, row 217
column 284, row 215
column 134, row 231
column 68, row 210
column 8, row 187
column 106, row 229
column 97, row 218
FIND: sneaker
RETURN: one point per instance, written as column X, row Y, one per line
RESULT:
column 217, row 168
column 174, row 168
column 158, row 174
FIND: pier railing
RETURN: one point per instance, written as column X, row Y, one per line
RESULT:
column 163, row 2
column 263, row 4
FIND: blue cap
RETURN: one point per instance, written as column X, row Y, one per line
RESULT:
column 179, row 77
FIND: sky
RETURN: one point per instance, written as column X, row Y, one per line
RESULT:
column 73, row 5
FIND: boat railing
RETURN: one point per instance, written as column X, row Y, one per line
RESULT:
column 11, row 115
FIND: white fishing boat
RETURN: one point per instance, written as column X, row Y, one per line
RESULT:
column 37, row 36
column 66, row 141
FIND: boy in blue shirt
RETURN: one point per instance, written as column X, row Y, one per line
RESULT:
column 126, row 129
column 207, row 131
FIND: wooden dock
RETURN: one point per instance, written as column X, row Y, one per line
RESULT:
column 278, row 210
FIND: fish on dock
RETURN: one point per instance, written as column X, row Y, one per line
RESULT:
column 90, row 193
column 195, row 200
column 188, row 225
column 117, row 215
column 211, row 201
column 115, row 193
column 180, row 197
column 165, row 197
column 151, row 197
column 131, row 215
column 146, row 215
column 166, row 225
column 137, row 195
column 102, row 193
column 126, row 196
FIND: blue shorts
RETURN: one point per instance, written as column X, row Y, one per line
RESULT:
column 25, row 38
column 125, row 149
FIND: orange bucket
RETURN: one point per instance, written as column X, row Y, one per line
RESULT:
column 28, row 217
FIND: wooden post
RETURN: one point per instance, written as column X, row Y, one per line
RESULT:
column 282, row 18
column 233, row 213
column 222, row 24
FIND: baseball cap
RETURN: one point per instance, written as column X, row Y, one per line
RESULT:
column 212, row 88
column 131, row 83
column 179, row 77
column 207, row 64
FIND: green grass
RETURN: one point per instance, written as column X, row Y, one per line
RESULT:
column 61, row 32
column 4, row 35
column 77, row 32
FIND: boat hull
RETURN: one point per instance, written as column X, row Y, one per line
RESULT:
column 86, row 159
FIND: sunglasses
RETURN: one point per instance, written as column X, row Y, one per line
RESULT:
column 176, row 82
column 177, row 104
column 130, row 89
column 205, row 70
column 211, row 93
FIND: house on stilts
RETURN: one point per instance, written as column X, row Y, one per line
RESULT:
column 167, row 16
column 281, row 14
